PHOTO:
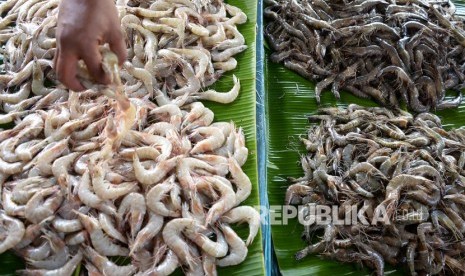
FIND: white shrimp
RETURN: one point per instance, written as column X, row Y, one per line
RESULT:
column 155, row 175
column 237, row 248
column 67, row 269
column 62, row 165
column 226, row 201
column 14, row 98
column 241, row 180
column 145, row 153
column 240, row 150
column 175, row 114
column 160, row 128
column 186, row 167
column 133, row 205
column 43, row 161
column 239, row 17
column 219, row 162
column 10, row 117
column 105, row 266
column 38, row 208
column 244, row 214
column 14, row 229
column 216, row 249
column 142, row 75
column 168, row 266
column 10, row 207
column 101, row 242
column 198, row 29
column 26, row 151
column 215, row 139
column 157, row 28
column 221, row 97
column 228, row 53
column 59, row 248
column 10, row 168
column 90, row 131
column 157, row 194
column 199, row 56
column 150, row 139
column 36, row 253
column 108, row 225
column 225, row 66
column 66, row 225
column 172, row 235
column 89, row 198
column 238, row 39
column 104, row 189
column 220, row 35
column 24, row 189
column 147, row 233
column 76, row 238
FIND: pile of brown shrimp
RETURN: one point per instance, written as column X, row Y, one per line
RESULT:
column 108, row 172
column 403, row 175
column 389, row 51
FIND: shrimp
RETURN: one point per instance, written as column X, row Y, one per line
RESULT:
column 226, row 201
column 147, row 233
column 221, row 97
column 38, row 208
column 166, row 267
column 61, row 166
column 24, row 189
column 17, row 97
column 395, row 186
column 105, row 266
column 133, row 205
column 198, row 29
column 214, row 140
column 104, row 189
column 107, row 224
column 10, row 117
column 36, row 253
column 66, row 226
column 66, row 269
column 239, row 17
column 240, row 179
column 247, row 214
column 172, row 235
column 142, row 75
column 186, row 167
column 89, row 198
column 101, row 242
column 160, row 128
column 216, row 249
column 157, row 194
column 222, row 56
column 199, row 56
column 150, row 139
column 175, row 115
column 237, row 248
column 225, row 66
column 15, row 231
column 240, row 150
column 155, row 175
column 76, row 238
column 60, row 250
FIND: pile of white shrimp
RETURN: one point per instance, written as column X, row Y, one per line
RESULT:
column 107, row 172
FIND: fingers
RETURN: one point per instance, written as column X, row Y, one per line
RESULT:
column 66, row 70
column 93, row 61
column 118, row 46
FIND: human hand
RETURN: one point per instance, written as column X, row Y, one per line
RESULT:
column 83, row 25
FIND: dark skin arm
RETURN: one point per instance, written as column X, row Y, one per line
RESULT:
column 83, row 25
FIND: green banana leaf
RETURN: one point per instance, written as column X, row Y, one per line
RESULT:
column 289, row 99
column 242, row 113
